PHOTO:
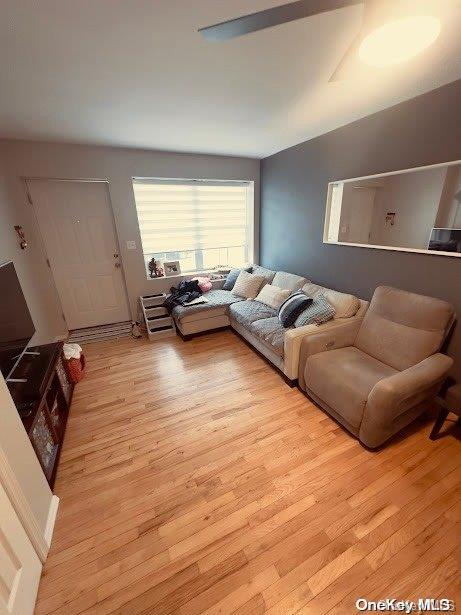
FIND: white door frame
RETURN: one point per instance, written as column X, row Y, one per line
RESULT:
column 40, row 542
column 25, row 180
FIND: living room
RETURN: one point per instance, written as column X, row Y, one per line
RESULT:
column 288, row 441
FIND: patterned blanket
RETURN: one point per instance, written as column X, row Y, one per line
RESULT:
column 215, row 298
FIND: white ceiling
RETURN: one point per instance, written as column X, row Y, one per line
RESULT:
column 137, row 73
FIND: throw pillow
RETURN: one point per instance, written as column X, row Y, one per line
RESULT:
column 345, row 305
column 267, row 274
column 273, row 296
column 232, row 277
column 247, row 285
column 204, row 283
column 292, row 307
column 318, row 312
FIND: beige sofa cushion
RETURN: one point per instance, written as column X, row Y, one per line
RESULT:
column 246, row 312
column 247, row 285
column 343, row 379
column 273, row 296
column 267, row 274
column 292, row 282
column 270, row 332
column 402, row 328
column 217, row 304
column 345, row 305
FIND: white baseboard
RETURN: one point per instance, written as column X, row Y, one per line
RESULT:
column 52, row 513
column 61, row 338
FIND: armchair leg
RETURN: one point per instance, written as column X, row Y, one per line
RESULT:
column 439, row 421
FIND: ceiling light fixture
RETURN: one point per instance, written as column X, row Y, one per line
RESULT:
column 400, row 40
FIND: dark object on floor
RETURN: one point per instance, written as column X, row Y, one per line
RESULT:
column 450, row 403
column 185, row 292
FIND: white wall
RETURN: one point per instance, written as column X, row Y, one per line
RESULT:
column 21, row 456
column 118, row 166
column 13, row 438
column 33, row 274
column 414, row 197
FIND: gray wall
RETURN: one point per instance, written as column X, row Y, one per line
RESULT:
column 117, row 165
column 425, row 130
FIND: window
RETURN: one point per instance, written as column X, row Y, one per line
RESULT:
column 201, row 223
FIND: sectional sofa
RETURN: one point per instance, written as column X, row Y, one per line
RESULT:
column 259, row 325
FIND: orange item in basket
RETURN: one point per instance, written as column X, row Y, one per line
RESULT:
column 75, row 369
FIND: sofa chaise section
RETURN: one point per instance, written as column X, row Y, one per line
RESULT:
column 208, row 316
column 258, row 323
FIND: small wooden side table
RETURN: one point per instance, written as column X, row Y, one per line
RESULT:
column 450, row 403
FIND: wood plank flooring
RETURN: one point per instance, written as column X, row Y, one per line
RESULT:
column 194, row 480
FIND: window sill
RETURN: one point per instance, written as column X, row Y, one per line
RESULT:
column 187, row 274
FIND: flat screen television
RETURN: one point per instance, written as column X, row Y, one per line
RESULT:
column 445, row 240
column 16, row 324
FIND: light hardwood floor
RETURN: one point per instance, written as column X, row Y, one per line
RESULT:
column 194, row 480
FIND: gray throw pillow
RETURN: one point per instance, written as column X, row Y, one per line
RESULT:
column 318, row 312
column 232, row 277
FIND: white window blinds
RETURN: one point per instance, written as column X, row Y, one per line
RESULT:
column 201, row 217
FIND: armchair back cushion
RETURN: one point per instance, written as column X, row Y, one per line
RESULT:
column 401, row 329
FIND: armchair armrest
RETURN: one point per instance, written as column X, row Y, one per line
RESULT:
column 305, row 341
column 399, row 398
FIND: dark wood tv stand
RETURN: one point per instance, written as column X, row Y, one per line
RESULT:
column 43, row 402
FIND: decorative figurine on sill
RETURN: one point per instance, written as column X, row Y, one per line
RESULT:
column 155, row 269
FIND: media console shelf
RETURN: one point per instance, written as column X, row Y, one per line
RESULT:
column 43, row 403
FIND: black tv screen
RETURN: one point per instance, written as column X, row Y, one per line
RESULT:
column 16, row 324
column 445, row 240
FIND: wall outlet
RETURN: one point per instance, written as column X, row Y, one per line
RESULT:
column 131, row 245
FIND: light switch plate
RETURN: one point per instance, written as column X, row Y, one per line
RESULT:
column 131, row 245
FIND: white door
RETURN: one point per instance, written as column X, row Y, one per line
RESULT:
column 361, row 215
column 20, row 567
column 76, row 223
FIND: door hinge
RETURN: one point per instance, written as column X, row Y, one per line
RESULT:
column 48, row 262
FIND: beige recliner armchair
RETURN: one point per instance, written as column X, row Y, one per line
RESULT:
column 377, row 375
